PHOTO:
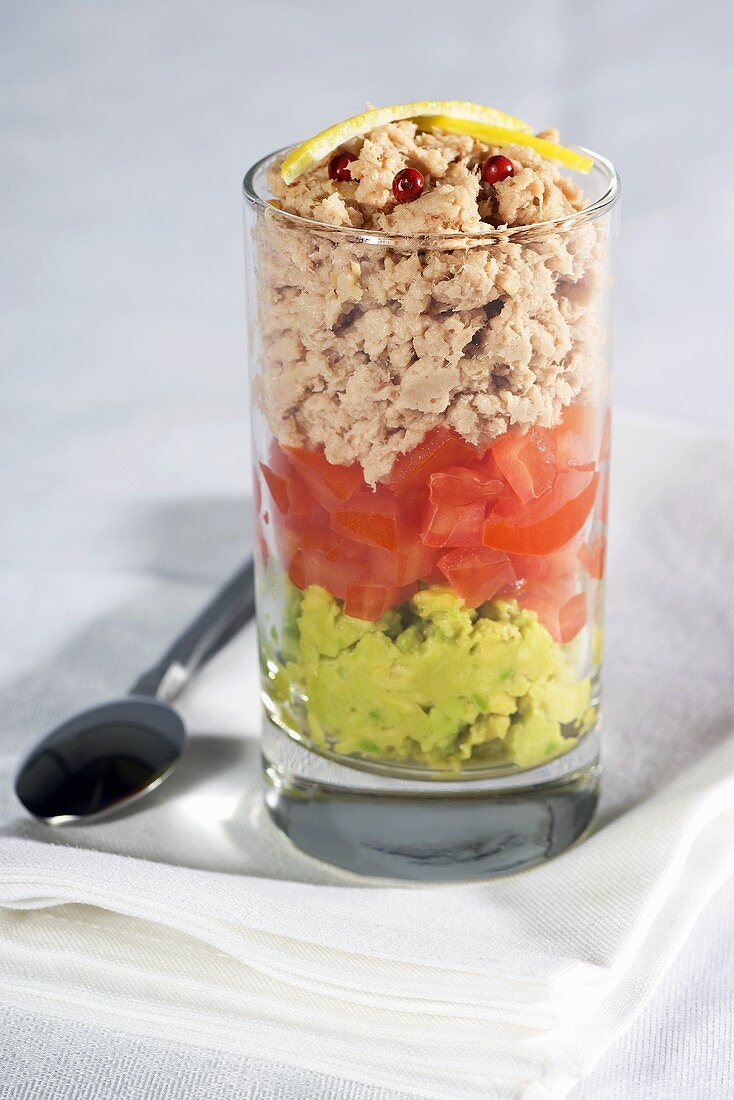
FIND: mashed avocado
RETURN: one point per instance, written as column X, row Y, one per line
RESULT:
column 434, row 683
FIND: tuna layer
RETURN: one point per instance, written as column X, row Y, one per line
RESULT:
column 368, row 346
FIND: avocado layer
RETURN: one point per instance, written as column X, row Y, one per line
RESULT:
column 434, row 683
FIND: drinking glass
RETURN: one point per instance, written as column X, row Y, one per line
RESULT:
column 431, row 617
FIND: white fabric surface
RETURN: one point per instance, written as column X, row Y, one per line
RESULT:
column 511, row 988
column 44, row 1057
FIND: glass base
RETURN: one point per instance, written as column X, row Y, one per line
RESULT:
column 428, row 830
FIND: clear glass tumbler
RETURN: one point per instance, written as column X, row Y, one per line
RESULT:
column 431, row 437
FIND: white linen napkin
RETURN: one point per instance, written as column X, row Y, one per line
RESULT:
column 194, row 914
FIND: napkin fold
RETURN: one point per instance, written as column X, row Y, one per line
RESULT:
column 193, row 916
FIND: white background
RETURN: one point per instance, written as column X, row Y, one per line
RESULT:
column 125, row 128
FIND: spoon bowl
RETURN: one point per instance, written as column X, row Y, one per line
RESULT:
column 101, row 760
column 104, row 758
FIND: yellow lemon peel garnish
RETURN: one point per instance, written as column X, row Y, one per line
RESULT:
column 504, row 135
column 317, row 148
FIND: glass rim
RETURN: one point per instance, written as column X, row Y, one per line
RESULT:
column 537, row 230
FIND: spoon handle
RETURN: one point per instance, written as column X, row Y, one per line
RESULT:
column 231, row 608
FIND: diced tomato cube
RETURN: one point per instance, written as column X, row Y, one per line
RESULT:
column 576, row 438
column 579, row 418
column 459, row 485
column 312, row 567
column 328, row 482
column 302, row 504
column 411, row 507
column 560, row 565
column 539, row 597
column 591, row 556
column 544, row 598
column 350, row 551
column 487, row 467
column 440, row 448
column 435, row 576
column 444, row 525
column 297, row 570
column 384, row 565
column 367, row 601
column 527, row 461
column 323, row 539
column 413, row 562
column 404, row 593
column 370, row 601
column 477, row 575
column 278, row 461
column 572, row 617
column 368, row 527
column 546, row 524
column 278, row 487
column 371, row 518
column 457, row 500
column 287, row 542
column 560, row 608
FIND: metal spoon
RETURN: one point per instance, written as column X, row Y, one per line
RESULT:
column 103, row 758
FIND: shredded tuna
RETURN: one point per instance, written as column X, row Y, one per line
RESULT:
column 366, row 347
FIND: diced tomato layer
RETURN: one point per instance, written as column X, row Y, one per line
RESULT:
column 477, row 575
column 539, row 530
column 371, row 518
column 322, row 539
column 286, row 542
column 572, row 617
column 459, row 485
column 444, row 526
column 457, row 502
column 527, row 462
column 367, row 601
column 368, row 527
column 413, row 563
column 560, row 608
column 277, row 485
column 312, row 567
column 560, row 565
column 370, row 601
column 440, row 448
column 302, row 502
column 591, row 556
column 504, row 520
column 576, row 438
column 327, row 481
column 567, row 485
column 545, row 598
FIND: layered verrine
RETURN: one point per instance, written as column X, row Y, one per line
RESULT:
column 432, row 440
